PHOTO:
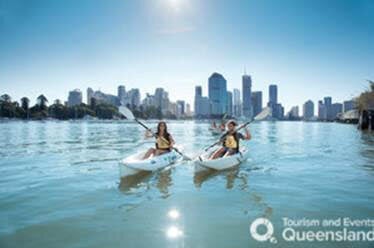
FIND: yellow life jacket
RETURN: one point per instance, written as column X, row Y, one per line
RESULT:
column 162, row 143
column 231, row 142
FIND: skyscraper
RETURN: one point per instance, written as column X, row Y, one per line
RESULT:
column 198, row 91
column 162, row 100
column 198, row 95
column 90, row 93
column 277, row 108
column 322, row 115
column 237, row 104
column 133, row 97
column 202, row 104
column 180, row 108
column 328, row 107
column 229, row 103
column 308, row 110
column 256, row 102
column 247, row 101
column 273, row 95
column 121, row 93
column 75, row 97
column 217, row 86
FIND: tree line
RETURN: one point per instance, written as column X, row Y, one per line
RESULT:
column 98, row 109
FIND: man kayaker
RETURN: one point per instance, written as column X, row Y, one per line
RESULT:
column 230, row 141
column 164, row 141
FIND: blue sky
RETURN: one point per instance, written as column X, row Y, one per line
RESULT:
column 311, row 49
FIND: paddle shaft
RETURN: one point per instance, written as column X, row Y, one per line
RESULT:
column 239, row 128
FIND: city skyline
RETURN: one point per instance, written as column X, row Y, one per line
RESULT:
column 322, row 47
column 229, row 102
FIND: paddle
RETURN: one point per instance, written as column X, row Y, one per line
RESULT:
column 260, row 116
column 130, row 116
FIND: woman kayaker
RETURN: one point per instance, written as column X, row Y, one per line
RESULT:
column 230, row 142
column 164, row 141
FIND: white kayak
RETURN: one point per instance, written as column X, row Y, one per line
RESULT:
column 135, row 164
column 203, row 162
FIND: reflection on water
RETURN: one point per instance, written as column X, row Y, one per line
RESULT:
column 134, row 181
column 230, row 175
column 162, row 180
column 367, row 149
column 174, row 232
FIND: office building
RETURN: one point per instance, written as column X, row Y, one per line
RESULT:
column 217, row 91
column 308, row 110
column 247, row 98
column 75, row 97
column 229, row 103
column 256, row 102
column 237, row 104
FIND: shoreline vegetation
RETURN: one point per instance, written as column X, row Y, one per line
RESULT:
column 96, row 110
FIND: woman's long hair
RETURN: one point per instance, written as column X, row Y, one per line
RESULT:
column 166, row 134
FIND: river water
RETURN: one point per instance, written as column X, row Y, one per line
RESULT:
column 60, row 185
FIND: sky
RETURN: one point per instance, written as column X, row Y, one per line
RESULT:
column 310, row 49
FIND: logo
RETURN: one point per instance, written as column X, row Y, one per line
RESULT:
column 262, row 237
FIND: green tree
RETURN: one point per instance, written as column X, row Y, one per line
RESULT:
column 42, row 102
column 5, row 98
column 58, row 111
column 106, row 111
column 366, row 99
column 25, row 102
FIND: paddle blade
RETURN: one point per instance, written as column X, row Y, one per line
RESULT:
column 265, row 114
column 126, row 112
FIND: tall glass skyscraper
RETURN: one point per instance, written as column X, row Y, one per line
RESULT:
column 229, row 103
column 247, row 99
column 273, row 95
column 237, row 103
column 256, row 102
column 308, row 110
column 217, row 86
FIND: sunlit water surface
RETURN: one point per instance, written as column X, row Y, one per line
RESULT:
column 60, row 186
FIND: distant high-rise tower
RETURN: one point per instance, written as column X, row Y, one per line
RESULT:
column 198, row 95
column 237, row 103
column 217, row 86
column 121, row 93
column 273, row 95
column 308, row 110
column 198, row 91
column 328, row 107
column 277, row 108
column 256, row 102
column 90, row 93
column 75, row 97
column 247, row 99
column 133, row 97
column 229, row 103
column 202, row 104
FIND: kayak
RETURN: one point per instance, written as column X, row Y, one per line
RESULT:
column 203, row 162
column 135, row 164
